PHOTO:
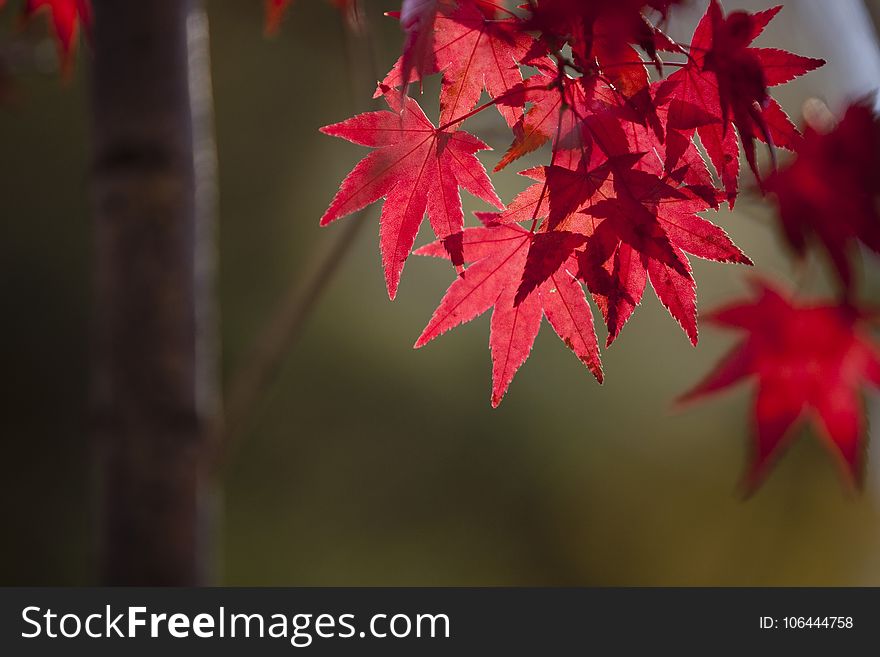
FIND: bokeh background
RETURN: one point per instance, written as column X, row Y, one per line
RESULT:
column 372, row 463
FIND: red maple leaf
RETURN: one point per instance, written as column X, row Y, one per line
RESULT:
column 832, row 189
column 809, row 360
column 474, row 50
column 725, row 84
column 644, row 231
column 577, row 112
column 599, row 34
column 559, row 103
column 416, row 167
column 592, row 29
column 643, row 220
column 66, row 17
column 640, row 222
column 500, row 255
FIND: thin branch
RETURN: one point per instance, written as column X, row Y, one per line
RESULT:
column 468, row 115
column 491, row 103
column 643, row 63
column 266, row 356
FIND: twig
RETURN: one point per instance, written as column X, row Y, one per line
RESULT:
column 265, row 357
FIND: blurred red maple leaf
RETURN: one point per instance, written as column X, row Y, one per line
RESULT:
column 275, row 11
column 832, row 189
column 67, row 16
column 808, row 359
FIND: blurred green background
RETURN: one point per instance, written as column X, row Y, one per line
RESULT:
column 371, row 463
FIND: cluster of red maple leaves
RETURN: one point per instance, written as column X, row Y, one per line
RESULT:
column 619, row 204
column 622, row 199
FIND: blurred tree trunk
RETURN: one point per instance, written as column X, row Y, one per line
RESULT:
column 154, row 381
